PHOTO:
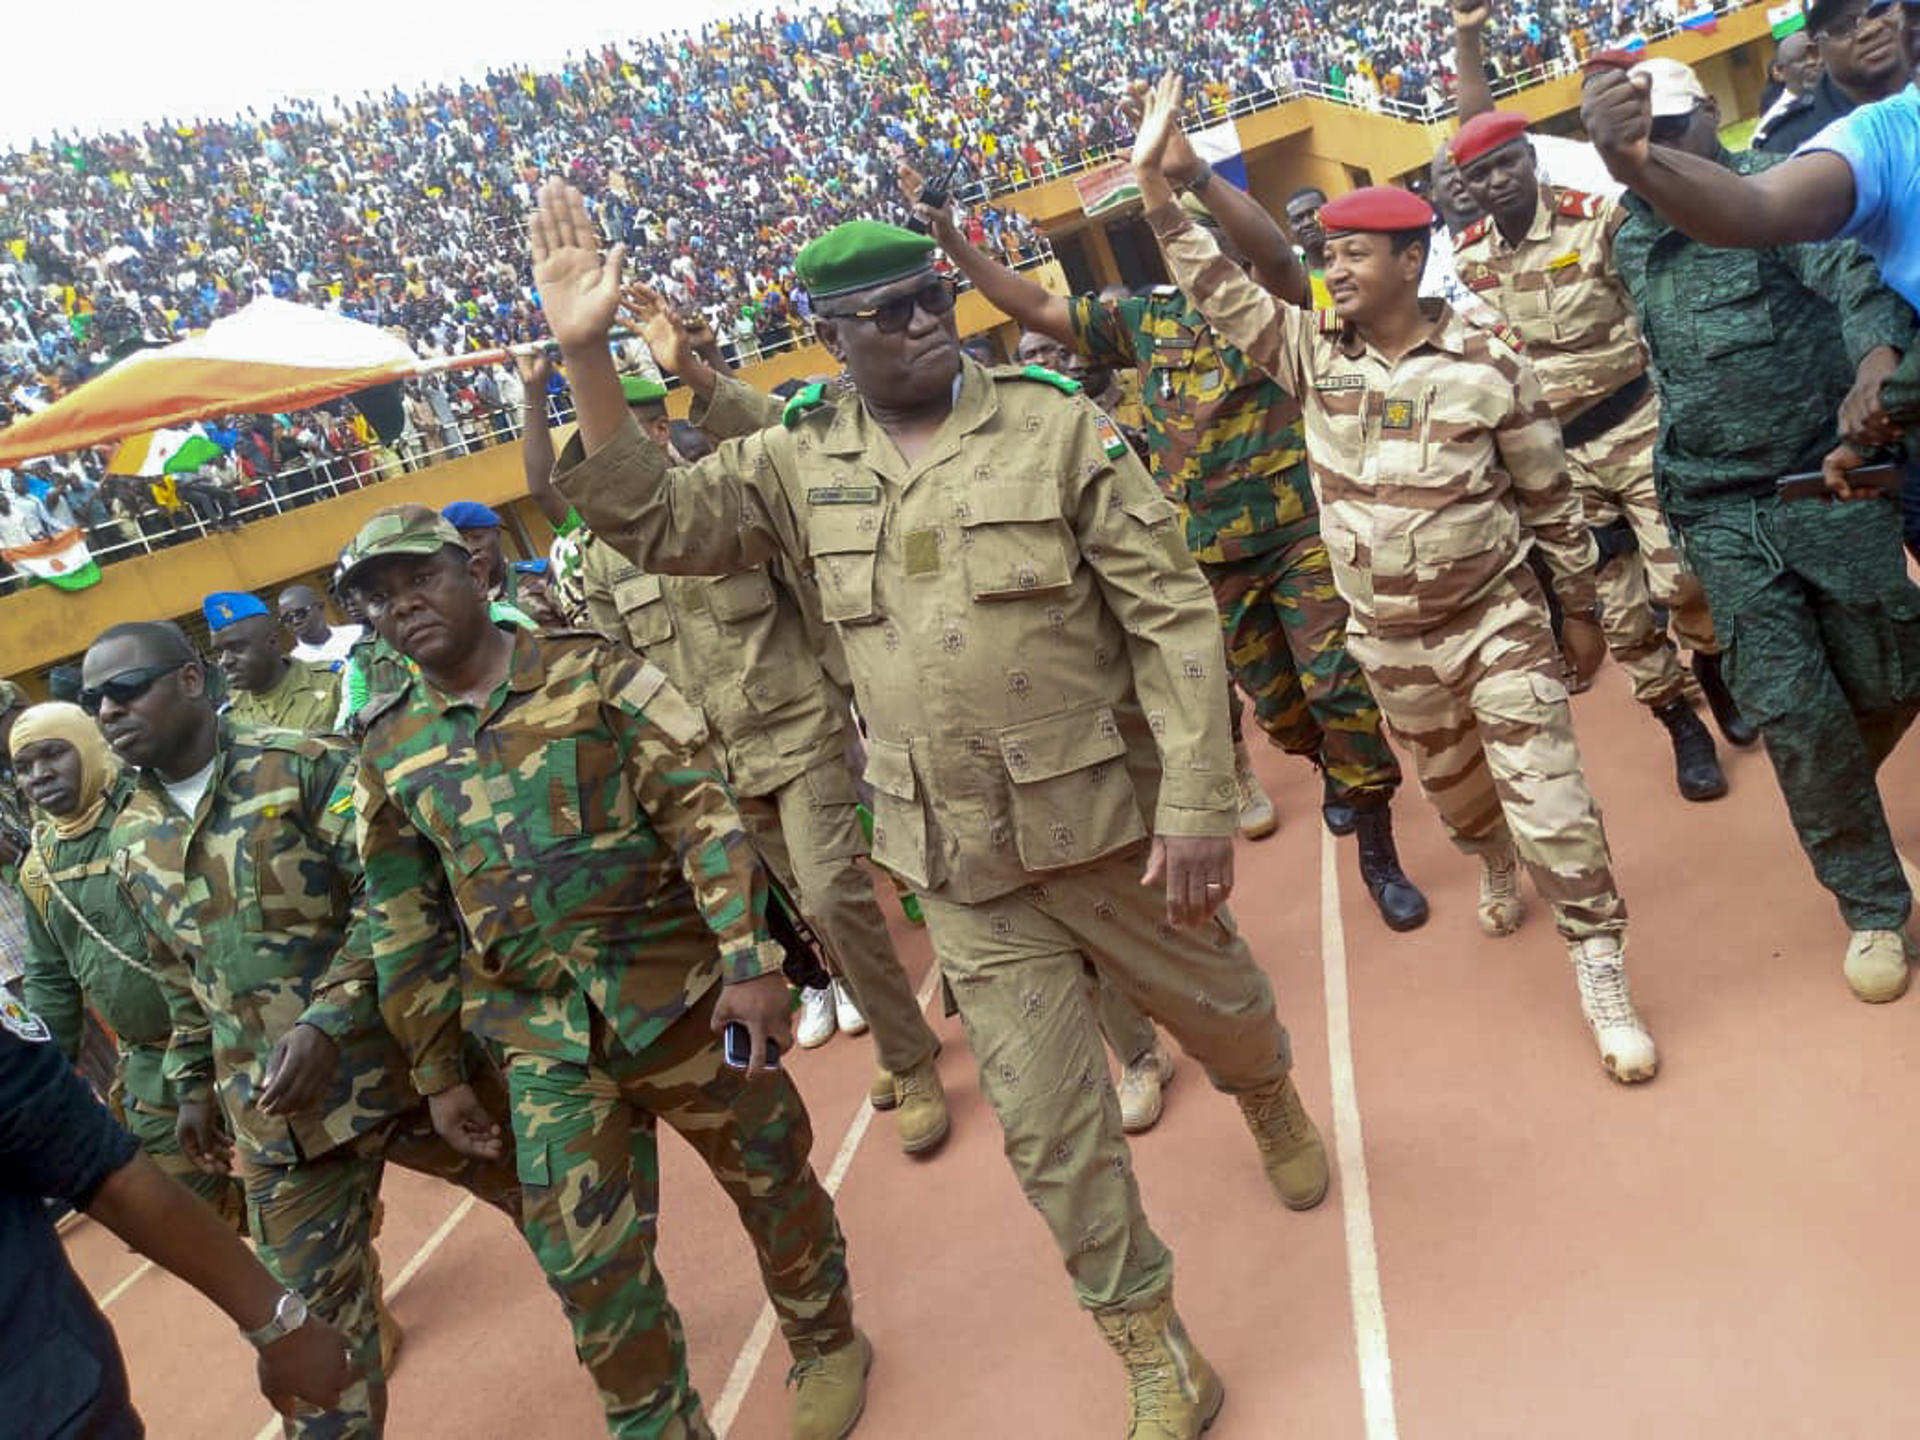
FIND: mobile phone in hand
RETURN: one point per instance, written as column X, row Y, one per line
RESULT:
column 734, row 1043
column 1812, row 484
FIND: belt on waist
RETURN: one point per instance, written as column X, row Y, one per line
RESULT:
column 1596, row 420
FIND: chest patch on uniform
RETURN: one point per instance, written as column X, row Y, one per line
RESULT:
column 1398, row 415
column 1561, row 262
column 1111, row 439
column 1483, row 279
column 844, row 495
column 922, row 552
column 23, row 1023
column 1341, row 382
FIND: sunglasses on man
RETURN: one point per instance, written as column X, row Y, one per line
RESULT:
column 126, row 687
column 890, row 317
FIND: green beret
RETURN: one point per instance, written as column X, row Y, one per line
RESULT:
column 639, row 390
column 860, row 255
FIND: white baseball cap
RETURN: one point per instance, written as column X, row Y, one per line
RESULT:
column 1673, row 88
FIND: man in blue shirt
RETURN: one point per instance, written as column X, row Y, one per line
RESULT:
column 61, row 1375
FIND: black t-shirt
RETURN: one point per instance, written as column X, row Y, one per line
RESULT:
column 61, row 1375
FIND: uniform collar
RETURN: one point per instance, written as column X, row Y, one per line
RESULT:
column 1446, row 330
column 526, row 671
column 855, row 432
column 1542, row 225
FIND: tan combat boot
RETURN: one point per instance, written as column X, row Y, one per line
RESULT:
column 922, row 1101
column 1172, row 1392
column 1291, row 1149
column 831, row 1390
column 1141, row 1089
column 1600, row 970
column 881, row 1094
column 1501, row 905
column 1877, row 962
column 1257, row 817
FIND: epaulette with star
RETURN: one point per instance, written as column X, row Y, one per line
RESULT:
column 1064, row 384
column 804, row 403
column 1476, row 231
column 1578, row 204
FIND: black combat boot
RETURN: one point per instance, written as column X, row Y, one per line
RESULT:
column 1339, row 813
column 1400, row 903
column 1726, row 710
column 1696, row 764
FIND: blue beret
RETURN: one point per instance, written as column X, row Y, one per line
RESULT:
column 226, row 607
column 470, row 515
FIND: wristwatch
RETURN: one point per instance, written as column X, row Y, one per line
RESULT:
column 1199, row 180
column 288, row 1315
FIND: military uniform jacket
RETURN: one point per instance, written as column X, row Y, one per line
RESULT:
column 69, row 969
column 306, row 699
column 1436, row 471
column 738, row 647
column 1754, row 350
column 576, row 828
column 1559, row 291
column 1223, row 440
column 250, row 906
column 1034, row 651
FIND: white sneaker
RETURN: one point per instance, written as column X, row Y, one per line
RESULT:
column 1600, row 971
column 1876, row 966
column 816, row 1018
column 852, row 1022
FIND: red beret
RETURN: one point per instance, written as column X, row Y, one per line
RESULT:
column 1377, row 209
column 1486, row 131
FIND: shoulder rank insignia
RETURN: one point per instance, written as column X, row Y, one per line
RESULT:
column 342, row 801
column 1476, row 230
column 1048, row 377
column 1111, row 440
column 809, row 399
column 1506, row 334
column 1577, row 203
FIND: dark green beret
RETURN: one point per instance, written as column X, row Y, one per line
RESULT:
column 860, row 255
column 639, row 390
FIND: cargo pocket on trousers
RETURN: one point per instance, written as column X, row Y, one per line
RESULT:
column 1527, row 716
column 1073, row 798
column 899, row 824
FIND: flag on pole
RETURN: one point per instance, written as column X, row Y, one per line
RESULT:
column 62, row 561
column 1785, row 19
column 164, row 452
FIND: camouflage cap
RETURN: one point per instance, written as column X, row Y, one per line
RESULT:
column 860, row 255
column 399, row 530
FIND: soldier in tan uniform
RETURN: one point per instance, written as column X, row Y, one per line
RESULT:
column 1542, row 256
column 1038, row 662
column 1438, row 465
column 741, row 649
column 267, row 686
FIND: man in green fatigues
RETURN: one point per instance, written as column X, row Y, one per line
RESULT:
column 268, row 686
column 552, row 798
column 236, row 851
column 1815, row 610
column 85, row 947
column 1037, row 659
column 1224, row 443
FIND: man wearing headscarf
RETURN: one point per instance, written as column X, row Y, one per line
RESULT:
column 85, row 946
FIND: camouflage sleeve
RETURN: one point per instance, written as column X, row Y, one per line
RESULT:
column 1534, row 457
column 726, row 514
column 49, row 986
column 411, row 931
column 345, row 999
column 735, row 409
column 189, row 1062
column 676, row 777
column 1132, row 537
column 1871, row 315
column 1103, row 331
column 1269, row 332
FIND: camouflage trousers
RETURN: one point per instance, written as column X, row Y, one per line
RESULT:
column 1023, row 968
column 590, row 1165
column 153, row 1126
column 1613, row 475
column 809, row 834
column 1822, row 632
column 313, row 1224
column 1284, row 628
column 1479, row 703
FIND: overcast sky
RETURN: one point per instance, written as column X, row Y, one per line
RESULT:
column 116, row 63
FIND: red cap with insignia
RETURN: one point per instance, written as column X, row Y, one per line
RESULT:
column 1376, row 209
column 1486, row 131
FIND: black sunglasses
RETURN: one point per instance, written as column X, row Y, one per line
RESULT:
column 126, row 687
column 890, row 317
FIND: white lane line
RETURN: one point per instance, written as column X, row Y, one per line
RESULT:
column 1363, row 1256
column 139, row 1271
column 727, row 1408
column 407, row 1271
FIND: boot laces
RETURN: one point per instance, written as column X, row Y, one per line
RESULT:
column 1603, row 986
column 1278, row 1114
column 1500, row 879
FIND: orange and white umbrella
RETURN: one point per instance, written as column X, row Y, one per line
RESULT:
column 271, row 356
